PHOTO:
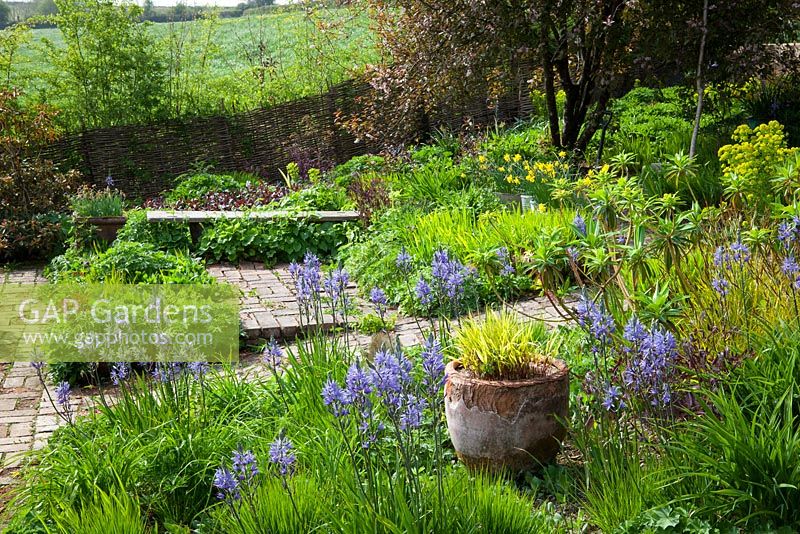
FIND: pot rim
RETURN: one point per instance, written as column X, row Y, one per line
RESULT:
column 455, row 370
column 110, row 219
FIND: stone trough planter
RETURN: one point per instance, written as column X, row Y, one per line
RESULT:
column 106, row 228
column 509, row 199
column 507, row 425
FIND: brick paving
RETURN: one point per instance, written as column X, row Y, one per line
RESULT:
column 27, row 418
column 268, row 309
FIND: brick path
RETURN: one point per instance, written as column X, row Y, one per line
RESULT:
column 269, row 309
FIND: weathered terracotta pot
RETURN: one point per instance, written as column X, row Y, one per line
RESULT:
column 506, row 425
column 106, row 228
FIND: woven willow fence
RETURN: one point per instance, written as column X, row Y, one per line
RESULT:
column 143, row 160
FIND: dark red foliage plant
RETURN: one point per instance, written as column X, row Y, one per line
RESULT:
column 251, row 195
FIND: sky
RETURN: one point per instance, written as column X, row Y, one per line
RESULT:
column 220, row 3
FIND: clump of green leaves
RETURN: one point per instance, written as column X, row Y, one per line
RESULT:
column 279, row 239
column 502, row 346
column 128, row 263
column 166, row 236
column 90, row 202
column 197, row 185
column 371, row 323
column 110, row 70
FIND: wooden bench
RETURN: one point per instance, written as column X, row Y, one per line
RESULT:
column 197, row 218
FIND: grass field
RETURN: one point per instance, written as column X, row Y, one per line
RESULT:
column 234, row 64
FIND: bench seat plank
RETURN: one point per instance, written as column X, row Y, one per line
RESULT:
column 205, row 216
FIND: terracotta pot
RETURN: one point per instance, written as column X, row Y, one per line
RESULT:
column 106, row 228
column 506, row 425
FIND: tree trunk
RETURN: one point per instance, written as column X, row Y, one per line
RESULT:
column 701, row 85
column 550, row 97
column 593, row 123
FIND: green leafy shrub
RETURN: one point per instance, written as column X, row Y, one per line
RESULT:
column 195, row 186
column 322, row 197
column 476, row 198
column 34, row 237
column 78, row 372
column 371, row 323
column 428, row 153
column 281, row 239
column 430, row 181
column 651, row 114
column 356, row 167
column 527, row 139
column 166, row 236
column 666, row 520
column 127, row 262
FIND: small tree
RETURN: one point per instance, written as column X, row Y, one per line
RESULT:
column 436, row 50
column 148, row 10
column 443, row 49
column 110, row 70
column 11, row 40
column 180, row 11
column 719, row 40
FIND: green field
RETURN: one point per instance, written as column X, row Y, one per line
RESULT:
column 227, row 65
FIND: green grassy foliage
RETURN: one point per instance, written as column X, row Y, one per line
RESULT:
column 151, row 457
column 227, row 65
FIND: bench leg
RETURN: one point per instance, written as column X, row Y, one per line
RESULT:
column 195, row 229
